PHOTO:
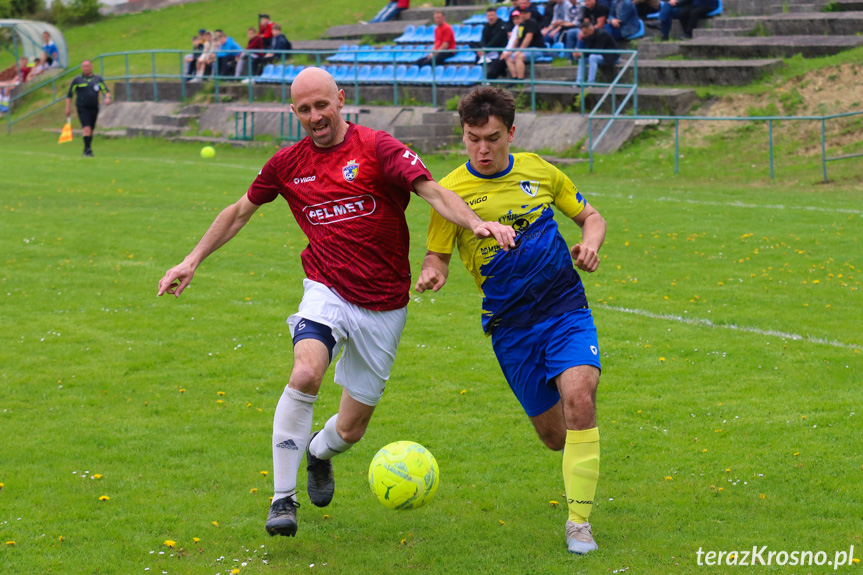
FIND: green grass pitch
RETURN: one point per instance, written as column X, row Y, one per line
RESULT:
column 730, row 408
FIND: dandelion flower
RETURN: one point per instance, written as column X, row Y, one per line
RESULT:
column 235, row 571
column 216, row 523
column 104, row 498
column 220, row 393
column 762, row 496
column 855, row 560
column 661, row 359
column 403, row 541
column 501, row 522
column 196, row 539
column 170, row 543
column 264, row 472
column 61, row 538
column 796, row 454
column 553, row 503
column 668, row 478
column 182, row 391
column 10, row 543
column 462, row 392
column 97, row 476
column 253, row 490
column 1, row 486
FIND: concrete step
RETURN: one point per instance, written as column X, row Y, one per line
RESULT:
column 701, row 33
column 679, row 72
column 153, row 131
column 382, row 32
column 406, row 133
column 655, row 50
column 317, row 44
column 769, row 46
column 799, row 24
column 453, row 14
column 445, row 118
column 848, row 5
column 176, row 120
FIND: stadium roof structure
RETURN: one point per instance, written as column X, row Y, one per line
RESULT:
column 24, row 38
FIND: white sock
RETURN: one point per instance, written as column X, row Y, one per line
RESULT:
column 328, row 443
column 292, row 425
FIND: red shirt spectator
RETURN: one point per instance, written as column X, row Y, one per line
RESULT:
column 443, row 33
column 256, row 45
column 403, row 4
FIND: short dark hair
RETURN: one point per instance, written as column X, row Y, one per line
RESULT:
column 483, row 102
column 491, row 9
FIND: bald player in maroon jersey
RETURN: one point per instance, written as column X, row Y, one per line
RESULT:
column 348, row 187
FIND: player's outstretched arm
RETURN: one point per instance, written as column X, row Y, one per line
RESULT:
column 226, row 225
column 592, row 224
column 434, row 273
column 453, row 209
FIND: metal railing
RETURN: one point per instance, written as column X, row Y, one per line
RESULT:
column 825, row 159
column 106, row 65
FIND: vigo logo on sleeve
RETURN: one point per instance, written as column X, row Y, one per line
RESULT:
column 340, row 210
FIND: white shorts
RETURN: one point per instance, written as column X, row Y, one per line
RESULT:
column 367, row 339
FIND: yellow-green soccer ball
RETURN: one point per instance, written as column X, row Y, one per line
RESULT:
column 208, row 152
column 404, row 475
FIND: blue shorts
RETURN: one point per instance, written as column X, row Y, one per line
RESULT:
column 531, row 357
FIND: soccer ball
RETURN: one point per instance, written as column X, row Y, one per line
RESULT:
column 208, row 152
column 404, row 475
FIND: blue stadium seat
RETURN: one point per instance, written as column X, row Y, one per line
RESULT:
column 265, row 74
column 386, row 54
column 401, row 72
column 540, row 8
column 718, row 11
column 635, row 36
column 425, row 75
column 336, row 57
column 388, row 75
column 447, row 75
column 411, row 75
column 377, row 75
column 475, row 19
column 407, row 35
column 476, row 35
column 428, row 36
column 475, row 75
column 461, row 75
column 503, row 13
column 419, row 34
column 276, row 75
column 291, row 72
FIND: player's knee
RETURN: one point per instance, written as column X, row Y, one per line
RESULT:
column 352, row 434
column 553, row 439
column 306, row 379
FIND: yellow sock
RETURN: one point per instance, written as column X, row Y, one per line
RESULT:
column 581, row 471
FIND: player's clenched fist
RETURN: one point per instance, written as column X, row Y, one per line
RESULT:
column 430, row 279
column 586, row 259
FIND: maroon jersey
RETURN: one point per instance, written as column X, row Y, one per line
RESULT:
column 350, row 201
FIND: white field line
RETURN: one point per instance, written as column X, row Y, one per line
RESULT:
column 138, row 159
column 710, row 324
column 728, row 204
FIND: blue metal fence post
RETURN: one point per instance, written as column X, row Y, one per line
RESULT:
column 590, row 141
column 676, row 146
column 182, row 78
column 635, row 86
column 824, row 148
column 155, row 86
column 532, row 83
column 434, row 79
column 770, row 133
column 128, row 84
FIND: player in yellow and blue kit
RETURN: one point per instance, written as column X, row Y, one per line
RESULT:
column 534, row 305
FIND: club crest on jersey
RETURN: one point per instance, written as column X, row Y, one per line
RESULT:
column 350, row 171
column 529, row 187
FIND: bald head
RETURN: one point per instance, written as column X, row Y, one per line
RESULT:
column 317, row 102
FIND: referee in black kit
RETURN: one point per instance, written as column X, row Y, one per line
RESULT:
column 86, row 88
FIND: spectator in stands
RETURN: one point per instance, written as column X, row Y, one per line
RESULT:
column 689, row 12
column 529, row 35
column 623, row 20
column 390, row 11
column 4, row 100
column 39, row 66
column 265, row 30
column 51, row 52
column 197, row 49
column 280, row 42
column 253, row 55
column 595, row 12
column 646, row 7
column 561, row 19
column 495, row 35
column 207, row 57
column 572, row 29
column 444, row 39
column 24, row 70
column 542, row 19
column 594, row 38
column 227, row 55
